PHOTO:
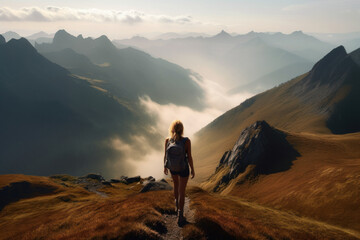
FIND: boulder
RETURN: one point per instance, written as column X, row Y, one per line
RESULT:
column 115, row 180
column 107, row 183
column 94, row 176
column 163, row 180
column 133, row 179
column 150, row 179
column 156, row 186
column 122, row 177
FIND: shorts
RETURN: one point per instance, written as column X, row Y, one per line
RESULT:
column 183, row 173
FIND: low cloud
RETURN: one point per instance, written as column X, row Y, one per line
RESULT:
column 56, row 14
column 217, row 101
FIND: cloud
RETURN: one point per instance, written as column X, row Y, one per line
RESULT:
column 217, row 101
column 55, row 14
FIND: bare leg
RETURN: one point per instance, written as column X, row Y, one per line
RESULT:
column 182, row 186
column 176, row 189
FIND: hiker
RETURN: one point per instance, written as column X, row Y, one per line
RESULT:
column 177, row 159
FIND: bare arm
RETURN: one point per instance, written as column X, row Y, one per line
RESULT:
column 165, row 169
column 191, row 163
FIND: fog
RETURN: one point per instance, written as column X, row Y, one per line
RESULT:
column 149, row 161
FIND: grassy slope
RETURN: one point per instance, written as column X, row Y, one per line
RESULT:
column 74, row 213
column 71, row 212
column 280, row 113
column 224, row 217
column 323, row 183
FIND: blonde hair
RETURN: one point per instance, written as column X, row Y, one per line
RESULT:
column 176, row 130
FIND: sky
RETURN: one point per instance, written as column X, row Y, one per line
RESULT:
column 125, row 18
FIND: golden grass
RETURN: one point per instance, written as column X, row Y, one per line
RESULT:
column 221, row 217
column 76, row 213
column 323, row 183
column 279, row 108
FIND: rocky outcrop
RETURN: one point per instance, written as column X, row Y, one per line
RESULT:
column 133, row 179
column 263, row 148
column 94, row 176
column 156, row 186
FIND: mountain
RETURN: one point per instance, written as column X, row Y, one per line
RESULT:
column 260, row 149
column 308, row 174
column 10, row 35
column 324, row 100
column 222, row 36
column 55, row 122
column 274, row 78
column 299, row 43
column 255, row 54
column 2, row 39
column 132, row 72
column 352, row 45
column 241, row 59
column 40, row 34
column 305, row 157
column 170, row 35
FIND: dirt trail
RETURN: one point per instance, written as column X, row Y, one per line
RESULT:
column 174, row 230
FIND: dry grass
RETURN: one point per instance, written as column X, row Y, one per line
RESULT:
column 323, row 183
column 75, row 213
column 279, row 108
column 221, row 217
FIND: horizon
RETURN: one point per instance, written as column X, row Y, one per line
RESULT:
column 124, row 19
column 156, row 36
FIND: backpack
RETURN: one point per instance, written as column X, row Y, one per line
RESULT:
column 175, row 157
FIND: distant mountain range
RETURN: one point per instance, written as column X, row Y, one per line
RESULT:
column 240, row 60
column 39, row 37
column 54, row 122
column 127, row 72
column 58, row 120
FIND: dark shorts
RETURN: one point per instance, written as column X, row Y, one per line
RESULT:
column 184, row 173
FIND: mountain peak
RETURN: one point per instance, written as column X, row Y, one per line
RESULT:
column 329, row 61
column 223, row 34
column 2, row 39
column 262, row 148
column 103, row 38
column 62, row 35
column 21, row 45
column 297, row 33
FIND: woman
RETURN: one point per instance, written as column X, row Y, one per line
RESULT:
column 180, row 179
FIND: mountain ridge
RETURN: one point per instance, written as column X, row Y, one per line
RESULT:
column 303, row 104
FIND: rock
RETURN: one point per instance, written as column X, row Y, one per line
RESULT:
column 155, row 186
column 95, row 176
column 124, row 181
column 123, row 177
column 133, row 179
column 260, row 146
column 147, row 180
column 150, row 179
column 115, row 180
column 163, row 180
column 107, row 183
